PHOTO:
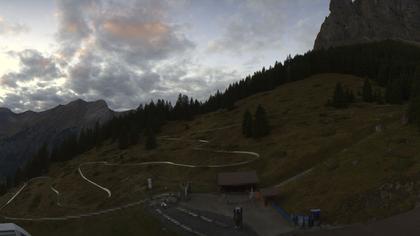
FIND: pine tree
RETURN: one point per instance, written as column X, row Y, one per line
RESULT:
column 349, row 96
column 39, row 164
column 3, row 186
column 367, row 93
column 150, row 140
column 134, row 137
column 378, row 97
column 413, row 111
column 123, row 140
column 247, row 124
column 261, row 126
column 394, row 92
column 339, row 97
column 19, row 176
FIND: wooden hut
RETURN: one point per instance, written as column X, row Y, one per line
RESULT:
column 237, row 181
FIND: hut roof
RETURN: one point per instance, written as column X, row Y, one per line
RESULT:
column 237, row 178
column 269, row 192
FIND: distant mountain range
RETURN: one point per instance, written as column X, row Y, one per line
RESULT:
column 22, row 134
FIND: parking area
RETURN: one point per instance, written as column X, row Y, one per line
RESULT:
column 199, row 223
column 264, row 220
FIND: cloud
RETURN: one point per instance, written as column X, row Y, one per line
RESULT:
column 254, row 26
column 73, row 26
column 131, row 51
column 117, row 49
column 24, row 99
column 8, row 28
column 33, row 65
column 266, row 24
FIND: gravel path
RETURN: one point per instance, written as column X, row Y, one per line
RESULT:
column 253, row 157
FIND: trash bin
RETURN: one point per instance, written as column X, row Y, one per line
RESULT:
column 316, row 216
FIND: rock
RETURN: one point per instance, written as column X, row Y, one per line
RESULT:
column 22, row 134
column 379, row 128
column 397, row 186
column 361, row 21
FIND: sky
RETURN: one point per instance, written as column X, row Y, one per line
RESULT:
column 129, row 52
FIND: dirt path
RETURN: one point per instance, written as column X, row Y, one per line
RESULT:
column 253, row 157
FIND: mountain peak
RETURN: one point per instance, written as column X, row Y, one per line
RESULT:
column 362, row 21
column 5, row 110
column 81, row 102
column 77, row 102
column 340, row 5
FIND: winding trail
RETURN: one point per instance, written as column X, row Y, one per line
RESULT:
column 109, row 193
column 90, row 181
column 254, row 156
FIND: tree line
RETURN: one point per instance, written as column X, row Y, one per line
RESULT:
column 125, row 130
column 256, row 126
column 390, row 64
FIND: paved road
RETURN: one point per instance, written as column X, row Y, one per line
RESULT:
column 263, row 220
column 199, row 223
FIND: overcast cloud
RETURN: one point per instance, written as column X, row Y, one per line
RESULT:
column 8, row 28
column 129, row 52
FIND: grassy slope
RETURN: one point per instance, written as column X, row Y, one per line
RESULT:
column 373, row 178
column 350, row 159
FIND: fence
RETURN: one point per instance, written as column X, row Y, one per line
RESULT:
column 282, row 212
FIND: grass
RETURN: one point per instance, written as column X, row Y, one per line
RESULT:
column 127, row 222
column 352, row 162
column 351, row 186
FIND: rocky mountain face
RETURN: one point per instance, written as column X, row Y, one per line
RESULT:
column 360, row 21
column 22, row 134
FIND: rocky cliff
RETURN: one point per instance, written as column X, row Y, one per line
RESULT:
column 359, row 21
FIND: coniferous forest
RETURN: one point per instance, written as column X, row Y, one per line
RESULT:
column 392, row 65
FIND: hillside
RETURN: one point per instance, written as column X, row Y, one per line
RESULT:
column 22, row 134
column 354, row 168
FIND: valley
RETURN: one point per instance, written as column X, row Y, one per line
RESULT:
column 342, row 147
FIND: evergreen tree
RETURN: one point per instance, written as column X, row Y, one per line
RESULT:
column 394, row 92
column 378, row 97
column 413, row 111
column 247, row 124
column 3, row 188
column 151, row 142
column 123, row 140
column 134, row 137
column 349, row 96
column 339, row 97
column 342, row 97
column 39, row 165
column 19, row 176
column 367, row 93
column 261, row 126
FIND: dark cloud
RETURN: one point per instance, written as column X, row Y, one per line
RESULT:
column 129, row 52
column 32, row 65
column 73, row 24
column 118, row 48
column 29, row 99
